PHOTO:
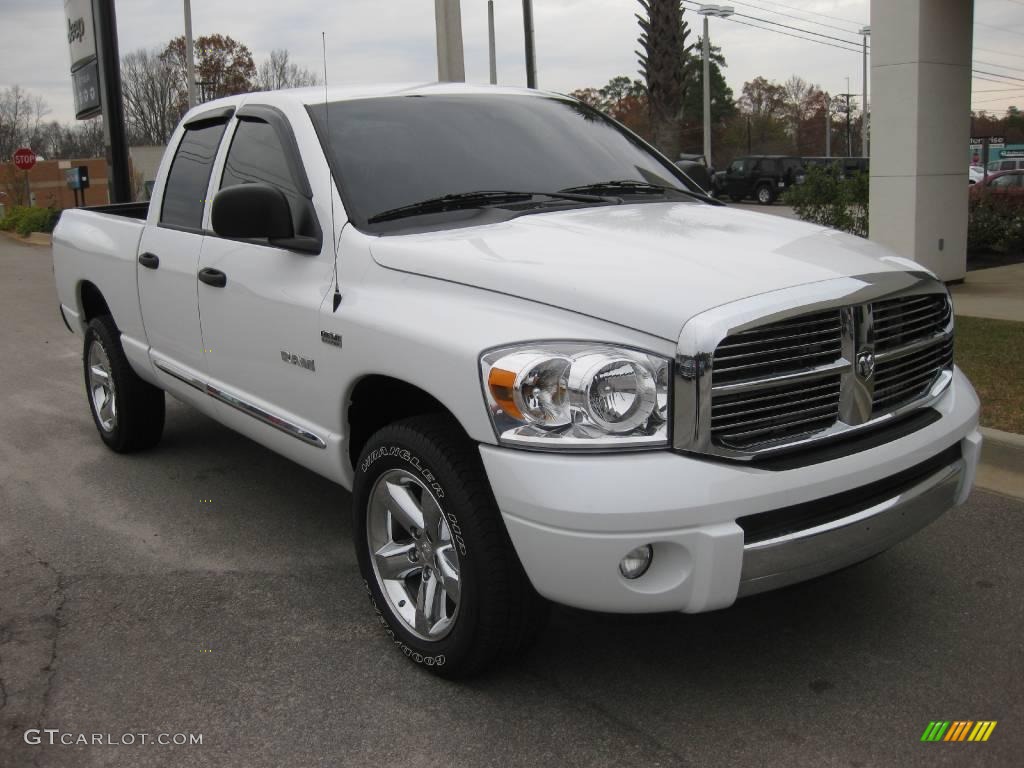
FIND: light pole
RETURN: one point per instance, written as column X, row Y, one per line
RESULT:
column 721, row 11
column 531, row 54
column 865, row 32
column 190, row 64
column 451, row 64
column 492, row 57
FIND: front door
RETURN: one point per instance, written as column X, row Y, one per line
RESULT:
column 261, row 329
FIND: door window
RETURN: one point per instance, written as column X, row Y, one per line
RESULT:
column 257, row 155
column 189, row 177
column 1009, row 181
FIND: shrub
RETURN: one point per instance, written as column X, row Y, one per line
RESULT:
column 25, row 220
column 832, row 200
column 995, row 221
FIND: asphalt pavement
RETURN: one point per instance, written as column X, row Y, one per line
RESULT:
column 210, row 588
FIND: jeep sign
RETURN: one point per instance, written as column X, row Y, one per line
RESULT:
column 81, row 37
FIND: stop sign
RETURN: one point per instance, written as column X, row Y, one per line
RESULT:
column 25, row 159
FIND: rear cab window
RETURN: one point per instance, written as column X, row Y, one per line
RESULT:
column 189, row 177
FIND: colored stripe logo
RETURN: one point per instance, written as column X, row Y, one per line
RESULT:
column 958, row 730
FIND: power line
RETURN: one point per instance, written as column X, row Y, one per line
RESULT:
column 989, row 101
column 993, row 64
column 812, row 13
column 1000, row 53
column 789, row 34
column 798, row 18
column 799, row 29
column 996, row 90
column 999, row 29
column 996, row 74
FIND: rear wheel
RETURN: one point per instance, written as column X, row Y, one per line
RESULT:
column 128, row 412
column 438, row 565
column 765, row 194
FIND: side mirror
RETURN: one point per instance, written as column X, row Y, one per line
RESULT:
column 252, row 210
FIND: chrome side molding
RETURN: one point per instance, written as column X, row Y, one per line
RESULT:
column 246, row 407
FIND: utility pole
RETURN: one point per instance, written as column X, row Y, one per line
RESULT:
column 865, row 32
column 849, row 127
column 490, row 42
column 190, row 63
column 531, row 54
column 828, row 126
column 451, row 63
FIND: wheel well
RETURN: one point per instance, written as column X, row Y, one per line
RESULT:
column 381, row 400
column 93, row 303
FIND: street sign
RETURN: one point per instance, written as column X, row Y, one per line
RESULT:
column 24, row 159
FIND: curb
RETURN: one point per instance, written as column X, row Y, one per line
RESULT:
column 1002, row 463
column 36, row 238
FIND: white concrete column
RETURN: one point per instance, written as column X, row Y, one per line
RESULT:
column 451, row 63
column 920, row 127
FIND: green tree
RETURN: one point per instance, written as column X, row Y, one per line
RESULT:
column 665, row 62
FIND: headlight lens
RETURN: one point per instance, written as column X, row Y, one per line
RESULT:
column 577, row 396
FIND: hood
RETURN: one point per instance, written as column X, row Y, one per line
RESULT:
column 647, row 266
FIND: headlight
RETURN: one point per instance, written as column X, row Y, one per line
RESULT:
column 574, row 395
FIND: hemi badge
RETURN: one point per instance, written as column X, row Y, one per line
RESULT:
column 334, row 339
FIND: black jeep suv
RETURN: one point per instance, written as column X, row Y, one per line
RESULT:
column 763, row 177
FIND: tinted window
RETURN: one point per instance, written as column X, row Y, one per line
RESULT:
column 189, row 177
column 256, row 154
column 736, row 167
column 396, row 151
column 1007, row 165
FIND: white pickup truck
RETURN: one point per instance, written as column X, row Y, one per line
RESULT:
column 545, row 364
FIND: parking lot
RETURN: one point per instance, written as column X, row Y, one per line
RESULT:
column 210, row 587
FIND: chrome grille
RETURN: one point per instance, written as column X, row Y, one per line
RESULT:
column 743, row 419
column 907, row 319
column 859, row 354
column 905, row 378
column 780, row 348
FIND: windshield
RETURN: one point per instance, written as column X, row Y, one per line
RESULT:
column 398, row 151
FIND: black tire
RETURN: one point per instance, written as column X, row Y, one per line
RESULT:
column 498, row 612
column 764, row 194
column 138, row 415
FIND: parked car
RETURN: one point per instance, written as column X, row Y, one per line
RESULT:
column 763, row 177
column 975, row 173
column 1000, row 182
column 696, row 167
column 1006, row 164
column 546, row 366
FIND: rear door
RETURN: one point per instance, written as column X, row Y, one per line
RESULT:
column 169, row 254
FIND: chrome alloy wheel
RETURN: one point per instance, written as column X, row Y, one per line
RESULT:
column 413, row 556
column 101, row 387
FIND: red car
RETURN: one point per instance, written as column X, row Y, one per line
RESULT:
column 1002, row 181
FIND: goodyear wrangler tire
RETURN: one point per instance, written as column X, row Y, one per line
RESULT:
column 437, row 562
column 128, row 412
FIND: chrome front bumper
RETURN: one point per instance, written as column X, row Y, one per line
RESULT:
column 811, row 552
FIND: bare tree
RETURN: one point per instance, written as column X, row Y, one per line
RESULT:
column 152, row 96
column 278, row 72
column 21, row 114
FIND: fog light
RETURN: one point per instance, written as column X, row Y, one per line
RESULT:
column 635, row 564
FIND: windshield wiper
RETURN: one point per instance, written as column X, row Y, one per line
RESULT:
column 631, row 186
column 463, row 200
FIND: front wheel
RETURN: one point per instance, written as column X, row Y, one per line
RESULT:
column 437, row 562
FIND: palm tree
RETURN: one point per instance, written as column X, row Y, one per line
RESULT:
column 664, row 62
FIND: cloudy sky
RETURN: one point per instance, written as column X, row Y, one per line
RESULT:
column 579, row 42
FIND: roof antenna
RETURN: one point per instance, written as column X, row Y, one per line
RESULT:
column 330, row 175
